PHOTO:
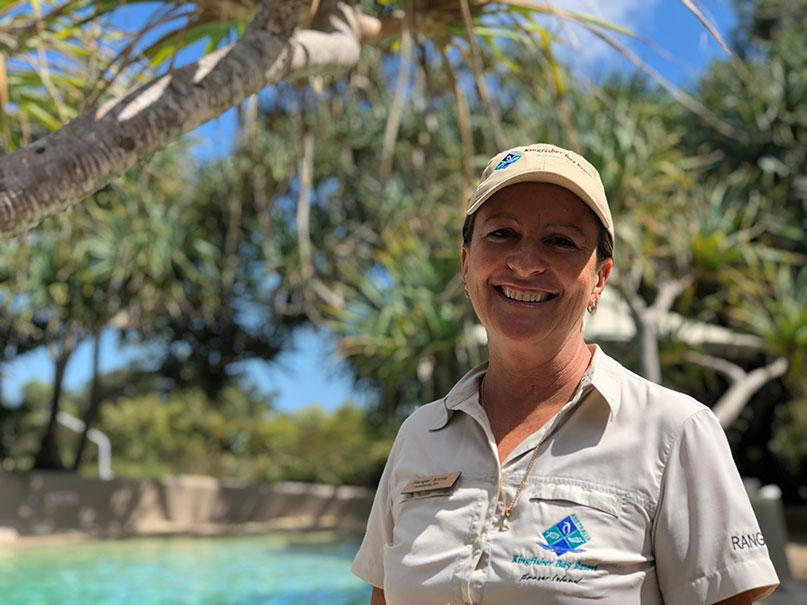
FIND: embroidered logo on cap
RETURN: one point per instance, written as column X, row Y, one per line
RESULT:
column 565, row 536
column 510, row 158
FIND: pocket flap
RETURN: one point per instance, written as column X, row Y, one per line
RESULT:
column 435, row 493
column 591, row 495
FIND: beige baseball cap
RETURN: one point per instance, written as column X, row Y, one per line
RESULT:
column 543, row 163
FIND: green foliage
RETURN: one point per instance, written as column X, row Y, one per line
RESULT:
column 238, row 436
column 403, row 329
column 768, row 107
column 48, row 63
column 791, row 427
column 58, row 59
column 760, row 251
column 20, row 428
column 173, row 267
column 776, row 309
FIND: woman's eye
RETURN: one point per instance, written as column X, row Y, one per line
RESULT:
column 501, row 234
column 562, row 241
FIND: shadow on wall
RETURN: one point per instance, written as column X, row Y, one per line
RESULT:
column 46, row 503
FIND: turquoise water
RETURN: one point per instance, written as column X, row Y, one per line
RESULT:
column 282, row 569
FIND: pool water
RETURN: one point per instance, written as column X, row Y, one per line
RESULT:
column 281, row 569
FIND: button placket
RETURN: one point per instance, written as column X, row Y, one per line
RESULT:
column 474, row 557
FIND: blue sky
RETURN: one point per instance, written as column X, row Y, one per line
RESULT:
column 309, row 374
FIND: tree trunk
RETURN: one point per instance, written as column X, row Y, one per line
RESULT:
column 649, row 362
column 94, row 403
column 647, row 318
column 48, row 455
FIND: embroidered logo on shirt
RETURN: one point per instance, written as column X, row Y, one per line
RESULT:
column 510, row 158
column 565, row 536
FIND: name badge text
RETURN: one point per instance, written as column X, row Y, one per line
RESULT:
column 425, row 484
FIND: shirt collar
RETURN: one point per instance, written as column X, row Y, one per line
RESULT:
column 606, row 378
column 465, row 390
column 604, row 374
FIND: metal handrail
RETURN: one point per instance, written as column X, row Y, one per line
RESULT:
column 97, row 437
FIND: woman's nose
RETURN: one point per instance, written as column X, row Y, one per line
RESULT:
column 526, row 259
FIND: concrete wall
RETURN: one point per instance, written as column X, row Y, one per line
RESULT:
column 45, row 503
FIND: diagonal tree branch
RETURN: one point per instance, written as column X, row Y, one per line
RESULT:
column 668, row 292
column 743, row 384
column 729, row 369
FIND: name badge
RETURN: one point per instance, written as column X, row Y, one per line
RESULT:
column 425, row 484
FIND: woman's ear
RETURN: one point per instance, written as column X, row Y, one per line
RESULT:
column 603, row 272
column 464, row 262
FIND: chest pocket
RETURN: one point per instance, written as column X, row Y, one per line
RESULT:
column 599, row 522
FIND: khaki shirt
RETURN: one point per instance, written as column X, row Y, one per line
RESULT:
column 633, row 499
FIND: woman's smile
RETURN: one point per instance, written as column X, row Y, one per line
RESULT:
column 525, row 296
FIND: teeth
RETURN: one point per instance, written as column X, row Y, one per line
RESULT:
column 524, row 296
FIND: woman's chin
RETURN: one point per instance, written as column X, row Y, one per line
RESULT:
column 519, row 337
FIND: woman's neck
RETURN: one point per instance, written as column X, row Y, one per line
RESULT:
column 529, row 380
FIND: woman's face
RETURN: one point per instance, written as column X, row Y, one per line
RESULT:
column 531, row 268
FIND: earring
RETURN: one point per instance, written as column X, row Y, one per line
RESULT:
column 592, row 306
column 464, row 285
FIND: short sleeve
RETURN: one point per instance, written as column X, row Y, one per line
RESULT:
column 706, row 538
column 369, row 562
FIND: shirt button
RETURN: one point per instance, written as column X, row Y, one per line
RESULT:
column 478, row 543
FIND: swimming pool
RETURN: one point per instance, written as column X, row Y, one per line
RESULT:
column 279, row 569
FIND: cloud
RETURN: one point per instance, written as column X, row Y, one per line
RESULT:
column 586, row 51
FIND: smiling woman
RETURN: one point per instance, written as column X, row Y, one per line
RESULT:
column 550, row 473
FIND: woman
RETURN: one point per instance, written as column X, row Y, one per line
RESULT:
column 551, row 474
